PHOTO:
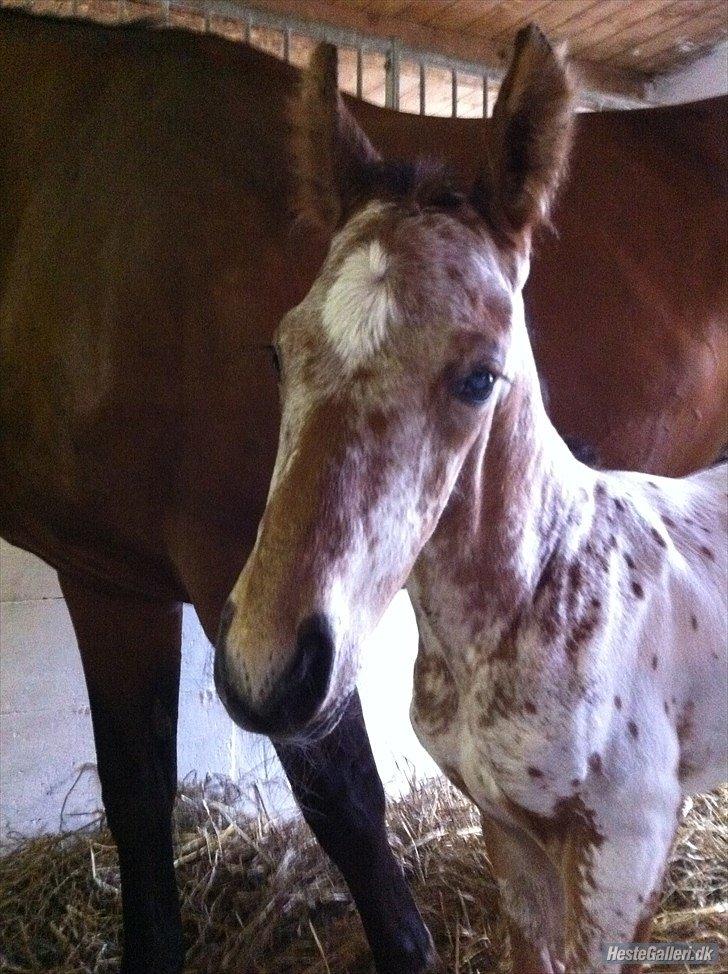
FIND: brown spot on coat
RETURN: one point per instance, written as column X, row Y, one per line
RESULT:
column 693, row 620
column 686, row 721
column 632, row 728
column 435, row 694
column 534, row 772
column 618, row 702
column 654, row 662
column 638, row 590
column 575, row 576
column 581, row 632
column 629, row 560
column 595, row 762
column 707, row 552
column 685, row 768
column 658, row 537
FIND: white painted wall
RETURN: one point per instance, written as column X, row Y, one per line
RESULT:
column 45, row 725
column 704, row 78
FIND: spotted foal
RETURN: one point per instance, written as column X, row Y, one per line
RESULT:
column 571, row 676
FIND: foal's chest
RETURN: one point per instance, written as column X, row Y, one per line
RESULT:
column 445, row 719
column 491, row 731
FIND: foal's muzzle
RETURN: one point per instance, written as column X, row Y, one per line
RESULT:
column 296, row 698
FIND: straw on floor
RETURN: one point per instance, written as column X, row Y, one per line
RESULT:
column 260, row 897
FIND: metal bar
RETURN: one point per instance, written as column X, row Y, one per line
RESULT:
column 391, row 79
column 454, row 92
column 423, row 89
column 287, row 44
column 342, row 37
column 486, row 85
column 359, row 72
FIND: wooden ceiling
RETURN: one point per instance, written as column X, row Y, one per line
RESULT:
column 619, row 44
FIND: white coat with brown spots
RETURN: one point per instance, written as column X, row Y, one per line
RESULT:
column 579, row 720
column 572, row 676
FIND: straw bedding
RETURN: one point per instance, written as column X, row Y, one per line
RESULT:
column 260, row 898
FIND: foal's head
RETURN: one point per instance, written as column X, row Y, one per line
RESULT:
column 391, row 371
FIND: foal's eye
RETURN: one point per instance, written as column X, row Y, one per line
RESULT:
column 275, row 357
column 475, row 387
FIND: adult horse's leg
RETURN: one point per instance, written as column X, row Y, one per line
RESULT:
column 341, row 796
column 131, row 658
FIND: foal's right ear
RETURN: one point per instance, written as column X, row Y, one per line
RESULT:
column 333, row 157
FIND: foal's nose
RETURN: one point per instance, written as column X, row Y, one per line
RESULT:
column 296, row 696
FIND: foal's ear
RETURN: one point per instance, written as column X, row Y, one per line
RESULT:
column 528, row 139
column 333, row 156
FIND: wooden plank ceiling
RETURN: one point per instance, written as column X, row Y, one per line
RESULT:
column 619, row 44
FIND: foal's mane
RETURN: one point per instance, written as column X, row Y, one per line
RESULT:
column 422, row 183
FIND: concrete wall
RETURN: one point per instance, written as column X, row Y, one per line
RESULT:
column 45, row 725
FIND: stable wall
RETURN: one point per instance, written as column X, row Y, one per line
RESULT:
column 46, row 746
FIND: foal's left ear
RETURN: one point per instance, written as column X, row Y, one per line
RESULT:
column 528, row 139
column 332, row 155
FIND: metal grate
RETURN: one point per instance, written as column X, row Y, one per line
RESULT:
column 380, row 70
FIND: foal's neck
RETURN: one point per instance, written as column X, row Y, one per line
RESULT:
column 519, row 493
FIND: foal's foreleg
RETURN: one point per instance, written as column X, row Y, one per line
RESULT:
column 130, row 650
column 613, row 875
column 337, row 785
column 531, row 898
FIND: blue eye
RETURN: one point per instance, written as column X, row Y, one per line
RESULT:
column 476, row 387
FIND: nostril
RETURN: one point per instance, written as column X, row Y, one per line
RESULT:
column 298, row 692
column 311, row 671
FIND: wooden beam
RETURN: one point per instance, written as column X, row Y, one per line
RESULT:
column 598, row 79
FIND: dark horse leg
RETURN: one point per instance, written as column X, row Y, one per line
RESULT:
column 337, row 785
column 131, row 658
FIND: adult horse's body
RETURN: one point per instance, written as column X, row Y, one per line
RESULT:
column 145, row 257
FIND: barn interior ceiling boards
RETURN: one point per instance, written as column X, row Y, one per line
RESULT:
column 446, row 57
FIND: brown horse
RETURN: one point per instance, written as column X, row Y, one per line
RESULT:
column 572, row 673
column 146, row 255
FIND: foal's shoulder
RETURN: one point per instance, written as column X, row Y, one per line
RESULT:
column 682, row 521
